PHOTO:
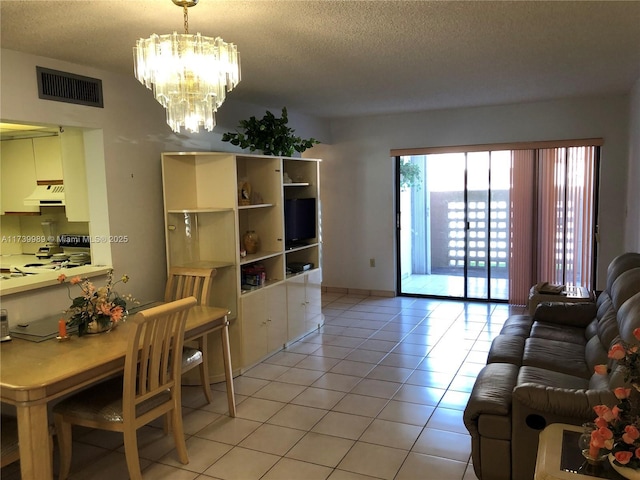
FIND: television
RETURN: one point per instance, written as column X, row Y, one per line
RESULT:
column 299, row 221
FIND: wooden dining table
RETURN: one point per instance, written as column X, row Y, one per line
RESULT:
column 33, row 374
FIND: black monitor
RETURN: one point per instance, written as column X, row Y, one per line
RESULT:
column 299, row 221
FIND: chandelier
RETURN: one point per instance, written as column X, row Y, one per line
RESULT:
column 189, row 75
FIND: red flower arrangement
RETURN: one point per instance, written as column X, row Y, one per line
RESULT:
column 618, row 428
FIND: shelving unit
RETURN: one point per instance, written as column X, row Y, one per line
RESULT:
column 211, row 199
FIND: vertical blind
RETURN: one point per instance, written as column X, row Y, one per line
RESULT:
column 552, row 218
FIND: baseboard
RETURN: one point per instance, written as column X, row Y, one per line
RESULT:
column 359, row 291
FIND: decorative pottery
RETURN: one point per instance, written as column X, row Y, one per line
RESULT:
column 95, row 327
column 244, row 193
column 251, row 241
column 626, row 472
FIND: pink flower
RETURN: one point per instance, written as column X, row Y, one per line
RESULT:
column 637, row 452
column 75, row 280
column 600, row 369
column 622, row 393
column 61, row 278
column 630, row 434
column 601, row 422
column 615, row 411
column 599, row 436
column 617, row 352
column 623, row 457
column 636, row 333
column 604, row 412
column 117, row 313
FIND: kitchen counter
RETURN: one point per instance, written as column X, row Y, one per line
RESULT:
column 10, row 285
column 7, row 261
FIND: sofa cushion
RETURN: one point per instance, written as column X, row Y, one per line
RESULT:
column 553, row 331
column 595, row 353
column 506, row 349
column 519, row 325
column 578, row 314
column 556, row 356
column 621, row 264
column 629, row 318
column 607, row 325
column 625, row 287
column 548, row 378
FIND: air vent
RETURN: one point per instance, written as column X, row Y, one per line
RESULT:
column 69, row 87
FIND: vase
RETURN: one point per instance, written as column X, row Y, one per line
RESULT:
column 95, row 327
column 251, row 241
column 584, row 443
column 626, row 472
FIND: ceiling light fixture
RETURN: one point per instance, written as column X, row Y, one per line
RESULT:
column 189, row 75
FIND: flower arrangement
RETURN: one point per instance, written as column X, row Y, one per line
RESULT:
column 103, row 305
column 617, row 429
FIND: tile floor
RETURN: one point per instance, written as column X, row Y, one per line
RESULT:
column 377, row 393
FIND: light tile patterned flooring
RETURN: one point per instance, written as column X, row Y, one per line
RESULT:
column 377, row 393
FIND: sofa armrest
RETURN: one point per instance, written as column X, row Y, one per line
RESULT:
column 579, row 314
column 491, row 394
column 561, row 401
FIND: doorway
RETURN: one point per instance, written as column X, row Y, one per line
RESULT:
column 453, row 225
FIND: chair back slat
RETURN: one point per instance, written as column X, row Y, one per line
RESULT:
column 189, row 282
column 158, row 335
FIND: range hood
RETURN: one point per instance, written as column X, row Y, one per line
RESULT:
column 46, row 196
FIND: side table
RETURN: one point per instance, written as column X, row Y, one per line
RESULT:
column 559, row 457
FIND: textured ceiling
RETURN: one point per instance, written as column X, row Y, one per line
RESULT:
column 347, row 58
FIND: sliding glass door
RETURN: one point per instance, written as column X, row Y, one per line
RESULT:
column 487, row 224
column 453, row 225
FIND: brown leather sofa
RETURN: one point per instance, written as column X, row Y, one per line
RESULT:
column 540, row 371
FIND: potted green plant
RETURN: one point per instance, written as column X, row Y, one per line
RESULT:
column 409, row 176
column 271, row 135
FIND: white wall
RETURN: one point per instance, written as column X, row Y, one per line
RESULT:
column 632, row 232
column 134, row 134
column 357, row 174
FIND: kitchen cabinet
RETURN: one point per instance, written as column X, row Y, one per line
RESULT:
column 18, row 172
column 304, row 304
column 264, row 323
column 74, row 172
column 48, row 159
column 211, row 199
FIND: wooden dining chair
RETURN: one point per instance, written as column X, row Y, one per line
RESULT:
column 9, row 438
column 150, row 387
column 184, row 282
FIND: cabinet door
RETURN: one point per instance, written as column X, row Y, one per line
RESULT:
column 18, row 172
column 254, row 327
column 48, row 158
column 296, row 306
column 74, row 171
column 313, row 300
column 276, row 317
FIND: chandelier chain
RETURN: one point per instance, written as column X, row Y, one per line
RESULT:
column 186, row 18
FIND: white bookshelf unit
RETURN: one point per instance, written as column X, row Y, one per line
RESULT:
column 273, row 294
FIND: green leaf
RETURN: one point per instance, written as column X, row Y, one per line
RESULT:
column 270, row 134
